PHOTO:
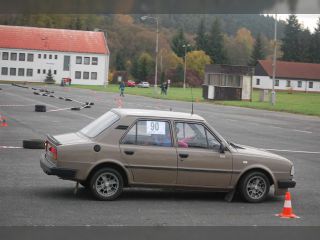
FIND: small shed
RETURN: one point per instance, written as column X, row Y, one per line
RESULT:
column 228, row 82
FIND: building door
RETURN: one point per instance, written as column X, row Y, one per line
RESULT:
column 66, row 63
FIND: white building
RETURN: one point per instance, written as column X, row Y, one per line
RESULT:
column 295, row 76
column 27, row 54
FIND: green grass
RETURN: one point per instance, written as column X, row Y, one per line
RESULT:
column 173, row 92
column 302, row 103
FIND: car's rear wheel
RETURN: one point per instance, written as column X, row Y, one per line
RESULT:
column 254, row 187
column 106, row 184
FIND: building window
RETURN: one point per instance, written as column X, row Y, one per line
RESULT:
column 310, row 84
column 22, row 56
column 94, row 61
column 13, row 71
column 55, row 72
column 4, row 71
column 21, row 72
column 50, row 56
column 94, row 76
column 29, row 72
column 78, row 60
column 44, row 71
column 13, row 56
column 288, row 83
column 55, row 56
column 78, row 75
column 44, row 56
column 276, row 83
column 5, row 56
column 39, row 71
column 257, row 81
column 85, row 75
column 86, row 60
column 30, row 57
column 39, row 55
column 299, row 84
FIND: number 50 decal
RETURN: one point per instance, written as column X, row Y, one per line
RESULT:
column 154, row 127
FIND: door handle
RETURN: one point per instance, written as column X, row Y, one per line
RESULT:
column 129, row 152
column 183, row 155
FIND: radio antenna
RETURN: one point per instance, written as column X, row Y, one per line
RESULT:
column 191, row 101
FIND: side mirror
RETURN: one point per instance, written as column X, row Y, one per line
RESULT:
column 222, row 147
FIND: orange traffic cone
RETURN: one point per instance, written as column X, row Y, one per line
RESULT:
column 287, row 208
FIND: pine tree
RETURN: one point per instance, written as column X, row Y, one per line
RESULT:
column 216, row 49
column 49, row 78
column 258, row 52
column 119, row 62
column 135, row 68
column 177, row 43
column 202, row 38
column 291, row 46
column 314, row 50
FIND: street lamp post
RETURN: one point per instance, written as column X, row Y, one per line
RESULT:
column 185, row 64
column 143, row 18
column 273, row 93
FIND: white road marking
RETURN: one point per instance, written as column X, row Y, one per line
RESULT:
column 15, row 105
column 9, row 147
column 293, row 151
column 295, row 130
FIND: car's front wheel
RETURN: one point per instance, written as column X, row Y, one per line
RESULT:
column 254, row 187
column 106, row 184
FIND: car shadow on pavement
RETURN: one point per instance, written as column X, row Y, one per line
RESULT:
column 145, row 194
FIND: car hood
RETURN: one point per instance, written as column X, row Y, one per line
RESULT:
column 247, row 150
column 71, row 138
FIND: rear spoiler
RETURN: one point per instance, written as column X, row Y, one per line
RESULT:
column 53, row 140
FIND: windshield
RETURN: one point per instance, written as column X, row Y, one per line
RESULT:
column 96, row 127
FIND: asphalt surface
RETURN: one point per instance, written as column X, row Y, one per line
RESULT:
column 30, row 197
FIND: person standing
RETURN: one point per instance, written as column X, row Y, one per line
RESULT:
column 122, row 87
column 166, row 88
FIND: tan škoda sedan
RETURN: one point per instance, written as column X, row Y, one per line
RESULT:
column 131, row 147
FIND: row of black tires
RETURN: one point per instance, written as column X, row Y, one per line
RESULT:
column 242, row 188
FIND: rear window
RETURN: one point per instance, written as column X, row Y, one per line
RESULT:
column 96, row 127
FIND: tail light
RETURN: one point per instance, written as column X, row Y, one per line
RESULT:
column 54, row 152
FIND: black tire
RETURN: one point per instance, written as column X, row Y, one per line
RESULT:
column 92, row 103
column 75, row 108
column 51, row 95
column 258, row 193
column 35, row 93
column 94, row 181
column 33, row 144
column 68, row 99
column 40, row 108
column 87, row 106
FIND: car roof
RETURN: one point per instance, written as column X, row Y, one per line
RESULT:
column 155, row 113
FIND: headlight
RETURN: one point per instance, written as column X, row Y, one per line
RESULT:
column 292, row 171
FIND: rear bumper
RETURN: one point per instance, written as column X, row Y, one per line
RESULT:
column 51, row 169
column 286, row 183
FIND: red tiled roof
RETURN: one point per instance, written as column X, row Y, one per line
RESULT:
column 293, row 70
column 49, row 39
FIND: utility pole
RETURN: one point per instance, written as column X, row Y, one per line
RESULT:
column 143, row 18
column 273, row 93
column 185, row 64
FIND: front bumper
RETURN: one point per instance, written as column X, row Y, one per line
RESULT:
column 51, row 169
column 286, row 183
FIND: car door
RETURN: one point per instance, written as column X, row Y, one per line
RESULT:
column 200, row 162
column 148, row 150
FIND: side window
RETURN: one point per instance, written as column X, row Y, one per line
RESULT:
column 191, row 135
column 213, row 143
column 149, row 133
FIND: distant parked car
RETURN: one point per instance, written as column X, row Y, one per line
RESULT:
column 143, row 85
column 130, row 83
